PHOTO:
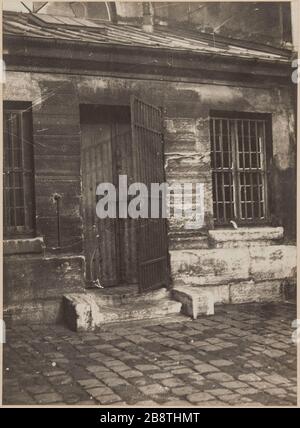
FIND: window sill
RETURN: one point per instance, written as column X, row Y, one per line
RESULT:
column 23, row 246
column 246, row 234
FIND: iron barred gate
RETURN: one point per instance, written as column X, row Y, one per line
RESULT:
column 148, row 161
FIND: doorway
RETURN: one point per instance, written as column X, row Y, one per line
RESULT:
column 123, row 140
column 106, row 153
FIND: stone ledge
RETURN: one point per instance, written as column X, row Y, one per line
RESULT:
column 23, row 246
column 245, row 236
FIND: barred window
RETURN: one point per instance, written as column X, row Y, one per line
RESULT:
column 18, row 186
column 239, row 168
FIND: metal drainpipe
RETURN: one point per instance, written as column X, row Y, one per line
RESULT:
column 57, row 198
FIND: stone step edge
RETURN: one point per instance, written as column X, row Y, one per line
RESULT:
column 81, row 313
column 115, row 300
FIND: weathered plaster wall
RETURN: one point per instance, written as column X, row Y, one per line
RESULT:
column 56, row 100
column 56, row 138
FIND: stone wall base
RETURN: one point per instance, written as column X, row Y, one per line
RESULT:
column 202, row 300
column 34, row 286
column 233, row 275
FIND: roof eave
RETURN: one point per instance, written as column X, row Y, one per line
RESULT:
column 247, row 58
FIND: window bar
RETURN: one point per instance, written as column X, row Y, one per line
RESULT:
column 235, row 173
column 258, row 164
column 245, row 171
column 251, row 192
column 244, row 174
column 26, row 220
column 260, row 174
column 237, row 169
column 223, row 197
column 249, row 145
column 231, row 196
column 13, row 184
column 251, row 173
column 264, row 172
column 223, row 181
column 6, row 173
column 215, row 173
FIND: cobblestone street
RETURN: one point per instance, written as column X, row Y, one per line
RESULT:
column 243, row 355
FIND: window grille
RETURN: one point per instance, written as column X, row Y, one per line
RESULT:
column 238, row 158
column 18, row 170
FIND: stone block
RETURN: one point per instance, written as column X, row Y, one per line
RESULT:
column 34, row 286
column 220, row 293
column 181, row 125
column 40, row 311
column 250, row 291
column 77, row 312
column 274, row 262
column 33, row 278
column 194, row 301
column 213, row 266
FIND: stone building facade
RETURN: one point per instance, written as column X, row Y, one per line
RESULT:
column 53, row 71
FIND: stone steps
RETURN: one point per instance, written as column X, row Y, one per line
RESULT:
column 116, row 296
column 87, row 311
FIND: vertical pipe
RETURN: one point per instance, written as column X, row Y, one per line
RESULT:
column 57, row 199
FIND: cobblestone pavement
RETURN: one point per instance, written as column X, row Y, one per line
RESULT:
column 243, row 355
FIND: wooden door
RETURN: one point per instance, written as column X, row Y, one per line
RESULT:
column 100, row 236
